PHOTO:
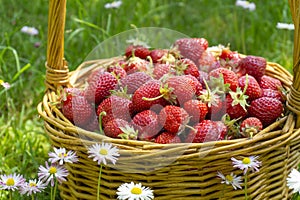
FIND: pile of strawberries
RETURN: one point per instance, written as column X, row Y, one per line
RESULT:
column 187, row 93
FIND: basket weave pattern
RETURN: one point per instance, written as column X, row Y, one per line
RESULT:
column 185, row 171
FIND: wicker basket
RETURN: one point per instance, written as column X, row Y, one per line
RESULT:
column 173, row 171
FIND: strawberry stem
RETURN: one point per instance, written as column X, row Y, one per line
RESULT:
column 154, row 98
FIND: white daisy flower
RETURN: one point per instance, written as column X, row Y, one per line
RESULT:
column 29, row 30
column 245, row 4
column 285, row 26
column 114, row 4
column 49, row 173
column 231, row 179
column 293, row 181
column 132, row 191
column 61, row 156
column 32, row 187
column 102, row 152
column 11, row 182
column 250, row 162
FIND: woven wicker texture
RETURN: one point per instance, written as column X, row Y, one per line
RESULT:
column 174, row 171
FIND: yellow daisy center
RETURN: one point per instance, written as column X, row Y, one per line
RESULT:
column 32, row 184
column 103, row 152
column 136, row 190
column 229, row 178
column 10, row 182
column 52, row 170
column 62, row 155
column 246, row 161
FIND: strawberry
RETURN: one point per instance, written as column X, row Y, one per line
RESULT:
column 186, row 66
column 75, row 107
column 134, row 64
column 115, row 107
column 191, row 48
column 119, row 128
column 253, row 65
column 93, row 124
column 222, row 128
column 161, row 69
column 204, row 131
column 230, row 60
column 117, row 70
column 196, row 109
column 167, row 138
column 179, row 89
column 157, row 54
column 173, row 119
column 207, row 61
column 229, row 77
column 99, row 86
column 253, row 90
column 149, row 90
column 236, row 104
column 146, row 122
column 137, row 51
column 268, row 82
column 266, row 109
column 273, row 94
column 250, row 126
column 133, row 81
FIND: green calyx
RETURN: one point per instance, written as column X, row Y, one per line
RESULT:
column 129, row 133
column 239, row 97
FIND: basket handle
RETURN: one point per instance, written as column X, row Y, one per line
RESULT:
column 57, row 72
column 293, row 99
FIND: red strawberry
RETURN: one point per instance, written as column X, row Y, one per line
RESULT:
column 268, row 82
column 250, row 126
column 223, row 129
column 229, row 77
column 204, row 131
column 266, row 109
column 100, row 85
column 236, row 104
column 160, row 69
column 179, row 89
column 119, row 128
column 226, row 54
column 93, row 124
column 230, row 60
column 76, row 108
column 166, row 138
column 137, row 51
column 173, row 119
column 273, row 94
column 253, row 90
column 117, row 70
column 134, row 81
column 146, row 122
column 115, row 107
column 208, row 62
column 186, row 66
column 135, row 64
column 253, row 65
column 149, row 90
column 158, row 54
column 196, row 109
column 191, row 48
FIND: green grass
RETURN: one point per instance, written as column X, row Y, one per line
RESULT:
column 24, row 146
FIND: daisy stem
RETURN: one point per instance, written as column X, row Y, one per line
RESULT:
column 222, row 194
column 99, row 180
column 10, row 195
column 245, row 187
column 32, row 197
column 51, row 193
column 55, row 188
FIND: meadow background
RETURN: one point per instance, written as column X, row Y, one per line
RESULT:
column 23, row 144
